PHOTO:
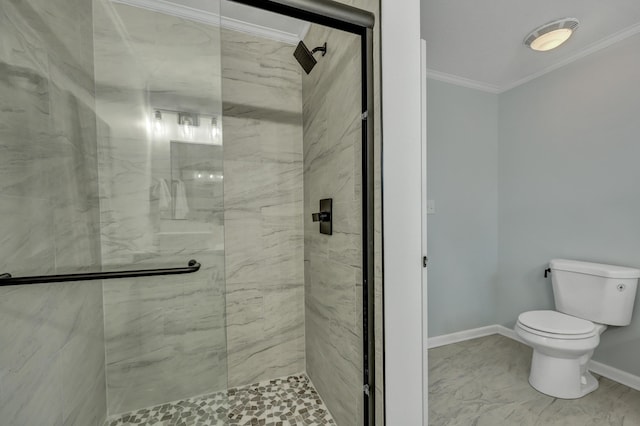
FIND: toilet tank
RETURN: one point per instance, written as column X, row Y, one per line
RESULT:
column 593, row 291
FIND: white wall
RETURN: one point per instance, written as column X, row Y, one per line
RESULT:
column 462, row 172
column 569, row 183
column 401, row 176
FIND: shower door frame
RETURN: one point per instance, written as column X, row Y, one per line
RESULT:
column 359, row 22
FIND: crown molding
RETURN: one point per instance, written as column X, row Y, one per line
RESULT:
column 260, row 31
column 213, row 19
column 486, row 87
column 172, row 9
column 461, row 81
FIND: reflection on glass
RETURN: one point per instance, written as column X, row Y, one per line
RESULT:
column 196, row 182
column 158, row 124
column 202, row 128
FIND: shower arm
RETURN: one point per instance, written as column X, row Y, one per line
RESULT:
column 7, row 280
column 322, row 49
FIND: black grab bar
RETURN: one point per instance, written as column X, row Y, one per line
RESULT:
column 7, row 279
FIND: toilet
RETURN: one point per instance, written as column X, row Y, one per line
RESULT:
column 589, row 297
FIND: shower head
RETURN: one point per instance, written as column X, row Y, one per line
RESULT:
column 305, row 58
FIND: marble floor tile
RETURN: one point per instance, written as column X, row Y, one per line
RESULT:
column 485, row 382
column 286, row 401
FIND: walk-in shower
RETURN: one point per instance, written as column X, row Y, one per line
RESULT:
column 163, row 169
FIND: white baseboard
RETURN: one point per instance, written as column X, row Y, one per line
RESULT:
column 614, row 374
column 599, row 368
column 509, row 332
column 461, row 336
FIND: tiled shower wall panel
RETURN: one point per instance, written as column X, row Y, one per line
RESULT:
column 333, row 275
column 52, row 352
column 263, row 195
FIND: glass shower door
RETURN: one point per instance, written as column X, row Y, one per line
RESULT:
column 158, row 107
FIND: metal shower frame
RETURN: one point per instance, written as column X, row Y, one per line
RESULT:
column 360, row 22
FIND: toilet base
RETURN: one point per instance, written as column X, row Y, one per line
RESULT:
column 565, row 378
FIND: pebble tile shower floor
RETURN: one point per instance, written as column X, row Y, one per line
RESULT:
column 286, row 401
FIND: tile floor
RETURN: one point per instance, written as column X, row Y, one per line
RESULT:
column 484, row 382
column 283, row 402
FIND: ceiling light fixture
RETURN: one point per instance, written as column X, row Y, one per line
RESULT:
column 551, row 35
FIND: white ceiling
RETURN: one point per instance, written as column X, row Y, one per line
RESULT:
column 480, row 43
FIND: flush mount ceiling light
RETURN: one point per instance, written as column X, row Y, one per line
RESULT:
column 551, row 35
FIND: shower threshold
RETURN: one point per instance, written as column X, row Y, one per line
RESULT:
column 286, row 401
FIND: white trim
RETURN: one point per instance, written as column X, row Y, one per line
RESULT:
column 508, row 332
column 614, row 374
column 402, row 211
column 599, row 368
column 423, row 160
column 463, row 82
column 592, row 48
column 260, row 31
column 213, row 19
column 486, row 87
column 180, row 11
column 461, row 336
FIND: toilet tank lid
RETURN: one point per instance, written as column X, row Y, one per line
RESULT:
column 598, row 269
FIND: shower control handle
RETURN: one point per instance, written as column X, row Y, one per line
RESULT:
column 321, row 217
column 325, row 216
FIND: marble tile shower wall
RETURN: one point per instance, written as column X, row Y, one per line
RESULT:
column 165, row 337
column 263, row 198
column 51, row 339
column 333, row 276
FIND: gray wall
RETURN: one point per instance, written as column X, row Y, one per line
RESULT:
column 333, row 275
column 463, row 181
column 51, row 339
column 568, row 183
column 567, row 187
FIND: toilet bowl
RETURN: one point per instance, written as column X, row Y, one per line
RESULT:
column 588, row 297
column 562, row 347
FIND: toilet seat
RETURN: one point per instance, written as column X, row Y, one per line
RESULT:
column 556, row 325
